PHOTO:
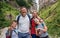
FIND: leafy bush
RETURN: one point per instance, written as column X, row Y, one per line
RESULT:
column 51, row 15
column 6, row 9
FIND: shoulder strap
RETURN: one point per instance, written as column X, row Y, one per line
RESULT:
column 29, row 16
column 15, row 31
column 30, row 20
column 18, row 19
column 12, row 32
column 31, row 23
column 43, row 24
column 7, row 33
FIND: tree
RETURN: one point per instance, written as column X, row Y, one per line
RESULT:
column 26, row 3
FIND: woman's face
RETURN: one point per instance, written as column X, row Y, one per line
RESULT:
column 34, row 14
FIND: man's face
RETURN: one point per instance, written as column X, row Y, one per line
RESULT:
column 24, row 11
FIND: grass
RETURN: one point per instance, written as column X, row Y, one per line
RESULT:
column 51, row 16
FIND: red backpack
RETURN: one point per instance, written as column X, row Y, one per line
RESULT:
column 8, row 34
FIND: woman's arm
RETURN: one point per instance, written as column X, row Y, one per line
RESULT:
column 45, row 28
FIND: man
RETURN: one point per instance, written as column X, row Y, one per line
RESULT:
column 23, row 23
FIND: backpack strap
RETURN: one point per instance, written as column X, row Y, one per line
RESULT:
column 8, row 34
column 29, row 16
column 43, row 24
column 31, row 23
column 30, row 20
column 15, row 31
column 18, row 19
column 12, row 32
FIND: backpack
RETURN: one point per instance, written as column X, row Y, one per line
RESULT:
column 19, row 17
column 9, row 34
column 41, row 24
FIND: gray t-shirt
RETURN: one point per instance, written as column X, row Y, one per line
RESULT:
column 41, row 26
column 14, row 34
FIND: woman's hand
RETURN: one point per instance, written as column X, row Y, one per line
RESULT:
column 38, row 32
column 36, row 21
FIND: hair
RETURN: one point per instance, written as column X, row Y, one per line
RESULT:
column 23, row 7
column 13, row 21
column 35, row 11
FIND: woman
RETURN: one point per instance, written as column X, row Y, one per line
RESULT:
column 38, row 27
column 33, row 24
column 42, row 28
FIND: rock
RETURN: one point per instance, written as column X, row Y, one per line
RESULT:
column 3, row 31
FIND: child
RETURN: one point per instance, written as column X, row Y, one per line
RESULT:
column 12, row 32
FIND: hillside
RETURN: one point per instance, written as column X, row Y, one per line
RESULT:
column 7, row 13
column 51, row 16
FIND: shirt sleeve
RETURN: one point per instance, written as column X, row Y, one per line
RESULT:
column 30, row 15
column 16, row 17
column 40, row 27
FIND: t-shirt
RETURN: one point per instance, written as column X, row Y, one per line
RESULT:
column 14, row 34
column 24, row 24
column 41, row 26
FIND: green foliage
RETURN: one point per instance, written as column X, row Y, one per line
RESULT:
column 6, row 9
column 30, row 2
column 51, row 15
column 44, row 13
column 26, row 3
